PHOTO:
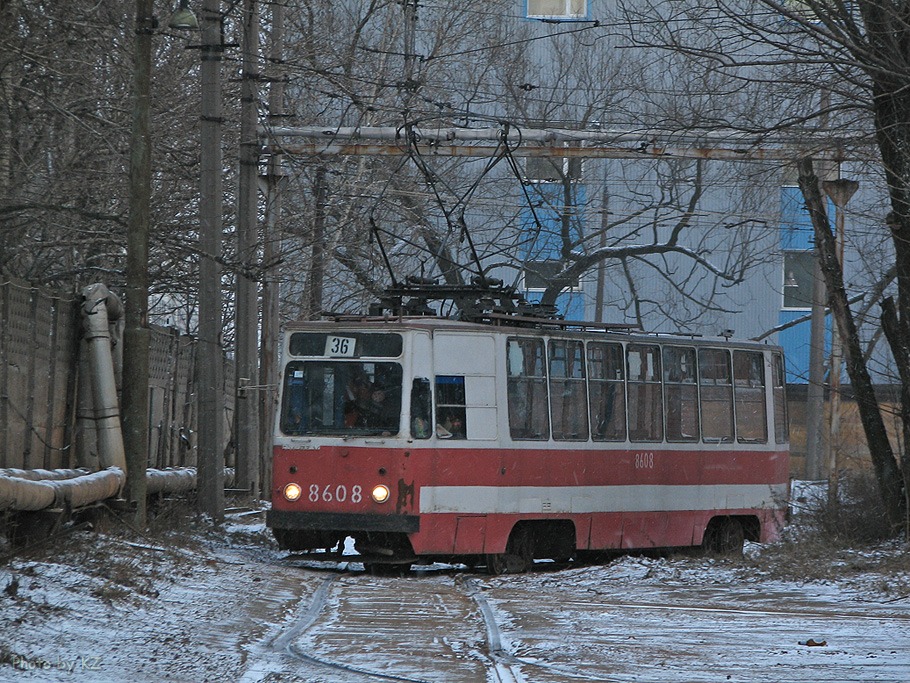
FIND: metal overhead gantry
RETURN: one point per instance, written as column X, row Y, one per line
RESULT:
column 540, row 142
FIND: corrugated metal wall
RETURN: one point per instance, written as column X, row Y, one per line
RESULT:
column 45, row 423
column 37, row 377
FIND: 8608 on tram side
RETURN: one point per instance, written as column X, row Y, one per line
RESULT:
column 428, row 439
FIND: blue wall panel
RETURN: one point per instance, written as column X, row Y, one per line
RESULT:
column 795, row 225
column 796, row 343
column 542, row 228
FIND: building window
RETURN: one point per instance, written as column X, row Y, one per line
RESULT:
column 799, row 275
column 557, row 9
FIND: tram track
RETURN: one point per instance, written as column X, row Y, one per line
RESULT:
column 450, row 625
column 286, row 642
column 354, row 619
column 462, row 600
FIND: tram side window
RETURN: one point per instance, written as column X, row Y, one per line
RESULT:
column 680, row 393
column 450, row 407
column 779, row 394
column 645, row 402
column 606, row 374
column 749, row 391
column 568, row 403
column 527, row 389
column 421, row 408
column 715, row 376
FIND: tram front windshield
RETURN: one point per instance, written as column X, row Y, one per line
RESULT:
column 341, row 398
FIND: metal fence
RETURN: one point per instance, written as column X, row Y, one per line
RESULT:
column 46, row 414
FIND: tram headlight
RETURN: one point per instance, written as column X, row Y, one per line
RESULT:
column 380, row 493
column 292, row 492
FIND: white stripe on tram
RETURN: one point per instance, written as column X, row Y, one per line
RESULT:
column 584, row 499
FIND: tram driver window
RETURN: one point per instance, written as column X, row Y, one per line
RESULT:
column 341, row 397
column 451, row 420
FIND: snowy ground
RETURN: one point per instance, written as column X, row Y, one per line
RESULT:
column 224, row 605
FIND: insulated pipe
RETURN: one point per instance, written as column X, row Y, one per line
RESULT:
column 178, row 480
column 32, row 490
column 99, row 309
column 170, row 481
column 39, row 474
column 31, row 495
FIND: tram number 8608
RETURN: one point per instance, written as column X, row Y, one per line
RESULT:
column 338, row 494
column 644, row 461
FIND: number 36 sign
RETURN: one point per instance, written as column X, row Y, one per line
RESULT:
column 340, row 347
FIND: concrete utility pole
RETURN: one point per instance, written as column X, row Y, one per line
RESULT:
column 317, row 262
column 601, row 243
column 246, row 332
column 210, row 368
column 410, row 47
column 136, row 333
column 839, row 191
column 268, row 366
column 815, row 391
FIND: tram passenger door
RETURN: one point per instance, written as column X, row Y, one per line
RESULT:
column 465, row 386
column 420, row 369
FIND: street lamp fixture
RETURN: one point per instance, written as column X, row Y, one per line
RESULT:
column 183, row 19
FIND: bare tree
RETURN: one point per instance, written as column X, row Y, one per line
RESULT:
column 65, row 73
column 355, row 66
column 829, row 67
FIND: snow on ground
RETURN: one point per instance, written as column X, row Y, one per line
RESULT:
column 202, row 604
column 117, row 607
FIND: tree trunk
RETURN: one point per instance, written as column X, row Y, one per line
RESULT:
column 886, row 469
column 896, row 332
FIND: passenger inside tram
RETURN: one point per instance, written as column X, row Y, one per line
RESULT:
column 452, row 426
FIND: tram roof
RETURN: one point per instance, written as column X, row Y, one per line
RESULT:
column 513, row 325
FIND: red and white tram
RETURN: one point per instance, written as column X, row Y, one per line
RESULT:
column 424, row 438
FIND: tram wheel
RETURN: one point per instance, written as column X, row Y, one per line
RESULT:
column 519, row 555
column 496, row 564
column 724, row 536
